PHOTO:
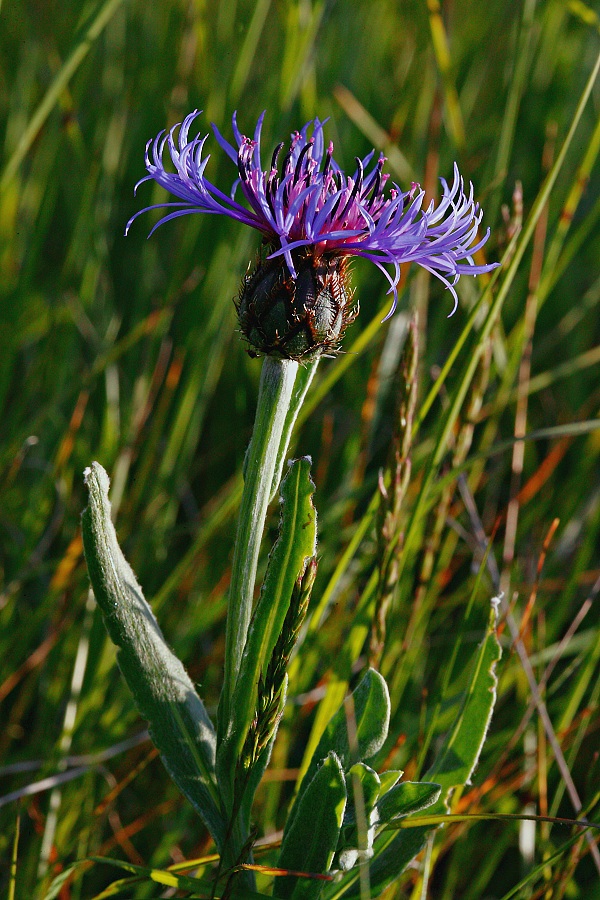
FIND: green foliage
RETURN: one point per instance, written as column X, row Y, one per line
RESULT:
column 354, row 843
column 295, row 545
column 164, row 695
column 311, row 835
column 455, row 764
column 358, row 729
column 405, row 798
column 451, row 769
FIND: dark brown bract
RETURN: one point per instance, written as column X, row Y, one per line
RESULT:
column 296, row 318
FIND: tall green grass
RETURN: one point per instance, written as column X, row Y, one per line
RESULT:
column 126, row 351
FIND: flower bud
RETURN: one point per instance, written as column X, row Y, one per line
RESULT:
column 296, row 318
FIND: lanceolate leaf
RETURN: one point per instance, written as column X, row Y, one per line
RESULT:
column 358, row 830
column 406, row 798
column 453, row 768
column 460, row 753
column 310, row 840
column 369, row 707
column 163, row 692
column 363, row 778
column 389, row 779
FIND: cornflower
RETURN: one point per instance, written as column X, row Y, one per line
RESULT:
column 314, row 219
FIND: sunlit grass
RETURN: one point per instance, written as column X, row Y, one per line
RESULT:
column 126, row 351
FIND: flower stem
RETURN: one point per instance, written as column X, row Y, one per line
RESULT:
column 274, row 399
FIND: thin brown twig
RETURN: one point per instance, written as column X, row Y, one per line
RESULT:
column 534, row 591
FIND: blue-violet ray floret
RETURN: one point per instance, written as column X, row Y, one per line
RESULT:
column 304, row 204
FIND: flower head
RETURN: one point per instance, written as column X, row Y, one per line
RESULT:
column 313, row 215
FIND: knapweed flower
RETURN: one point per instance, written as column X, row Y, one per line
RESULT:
column 314, row 219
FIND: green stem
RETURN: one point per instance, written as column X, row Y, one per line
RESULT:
column 274, row 399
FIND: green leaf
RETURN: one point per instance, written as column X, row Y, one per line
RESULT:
column 379, row 810
column 389, row 779
column 453, row 768
column 295, row 545
column 309, row 841
column 362, row 777
column 163, row 692
column 406, row 798
column 358, row 830
column 460, row 752
column 390, row 858
column 368, row 710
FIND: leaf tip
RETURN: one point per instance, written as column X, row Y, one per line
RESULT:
column 96, row 479
column 495, row 604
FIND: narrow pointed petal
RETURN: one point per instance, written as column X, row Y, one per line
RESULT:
column 310, row 206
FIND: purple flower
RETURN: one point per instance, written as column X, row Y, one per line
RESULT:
column 306, row 201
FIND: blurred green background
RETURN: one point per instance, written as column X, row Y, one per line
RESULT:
column 126, row 351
